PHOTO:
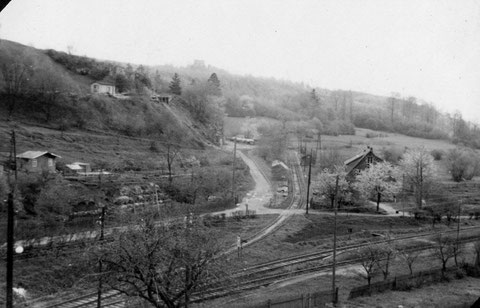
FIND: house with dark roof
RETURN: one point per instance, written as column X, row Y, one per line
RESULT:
column 360, row 162
column 37, row 161
column 103, row 87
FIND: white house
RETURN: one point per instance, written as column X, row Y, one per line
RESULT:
column 103, row 87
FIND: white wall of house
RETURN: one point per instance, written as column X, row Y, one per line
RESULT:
column 102, row 88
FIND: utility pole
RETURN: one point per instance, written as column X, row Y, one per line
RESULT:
column 403, row 194
column 100, row 262
column 335, row 241
column 10, row 225
column 457, row 243
column 233, row 171
column 319, row 141
column 309, row 179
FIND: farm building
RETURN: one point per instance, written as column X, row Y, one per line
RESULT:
column 37, row 161
column 77, row 168
column 361, row 161
column 279, row 170
column 162, row 98
column 103, row 87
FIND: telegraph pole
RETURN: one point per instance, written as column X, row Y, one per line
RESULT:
column 100, row 262
column 457, row 243
column 233, row 171
column 334, row 292
column 10, row 225
column 10, row 243
column 309, row 179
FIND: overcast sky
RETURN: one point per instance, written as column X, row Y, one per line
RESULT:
column 426, row 48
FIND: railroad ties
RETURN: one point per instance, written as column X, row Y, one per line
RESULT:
column 111, row 299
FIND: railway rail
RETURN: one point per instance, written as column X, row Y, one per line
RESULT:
column 267, row 273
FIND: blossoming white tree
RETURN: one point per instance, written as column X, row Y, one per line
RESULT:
column 379, row 181
column 333, row 184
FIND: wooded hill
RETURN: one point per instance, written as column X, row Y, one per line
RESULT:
column 51, row 87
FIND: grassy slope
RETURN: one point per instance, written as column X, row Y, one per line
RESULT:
column 359, row 140
column 94, row 143
column 78, row 83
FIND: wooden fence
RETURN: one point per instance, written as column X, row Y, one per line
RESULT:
column 310, row 300
column 403, row 282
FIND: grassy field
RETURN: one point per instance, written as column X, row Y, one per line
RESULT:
column 441, row 294
column 362, row 138
column 303, row 234
column 455, row 293
column 71, row 274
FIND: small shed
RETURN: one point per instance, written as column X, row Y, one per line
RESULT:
column 77, row 168
column 279, row 170
column 103, row 87
column 361, row 161
column 37, row 161
column 162, row 98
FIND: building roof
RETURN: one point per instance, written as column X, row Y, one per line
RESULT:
column 73, row 167
column 162, row 94
column 36, row 154
column 104, row 82
column 279, row 163
column 81, row 164
column 352, row 163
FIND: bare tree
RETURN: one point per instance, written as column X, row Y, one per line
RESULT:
column 16, row 74
column 477, row 253
column 409, row 256
column 172, row 150
column 369, row 257
column 164, row 265
column 50, row 86
column 444, row 250
column 419, row 170
column 387, row 252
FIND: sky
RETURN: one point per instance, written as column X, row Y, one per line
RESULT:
column 429, row 49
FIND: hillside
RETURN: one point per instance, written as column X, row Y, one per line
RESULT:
column 52, row 89
column 54, row 99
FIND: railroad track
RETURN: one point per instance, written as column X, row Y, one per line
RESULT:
column 267, row 279
column 272, row 226
column 112, row 299
column 260, row 274
column 267, row 273
column 86, row 300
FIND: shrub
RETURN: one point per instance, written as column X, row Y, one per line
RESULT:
column 392, row 154
column 437, row 154
column 460, row 273
column 470, row 270
column 463, row 164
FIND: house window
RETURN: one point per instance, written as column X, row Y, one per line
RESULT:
column 50, row 162
column 34, row 163
column 369, row 160
column 95, row 88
